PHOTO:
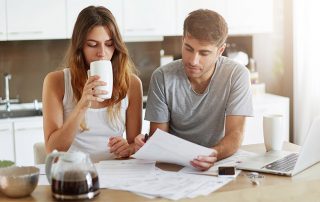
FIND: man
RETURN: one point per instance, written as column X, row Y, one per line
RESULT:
column 205, row 97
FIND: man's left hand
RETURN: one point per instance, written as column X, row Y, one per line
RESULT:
column 203, row 163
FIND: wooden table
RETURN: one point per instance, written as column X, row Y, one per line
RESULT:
column 302, row 187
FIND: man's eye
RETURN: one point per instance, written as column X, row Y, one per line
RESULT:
column 189, row 49
column 204, row 54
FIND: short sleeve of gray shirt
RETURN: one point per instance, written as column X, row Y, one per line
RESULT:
column 199, row 118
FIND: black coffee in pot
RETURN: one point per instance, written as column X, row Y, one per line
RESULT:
column 75, row 183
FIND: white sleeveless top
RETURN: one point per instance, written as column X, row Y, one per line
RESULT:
column 95, row 140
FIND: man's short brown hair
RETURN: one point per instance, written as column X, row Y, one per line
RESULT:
column 206, row 25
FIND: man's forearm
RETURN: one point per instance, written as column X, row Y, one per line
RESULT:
column 229, row 145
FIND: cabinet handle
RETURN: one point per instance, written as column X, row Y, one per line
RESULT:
column 150, row 29
column 21, row 33
column 4, row 130
column 23, row 129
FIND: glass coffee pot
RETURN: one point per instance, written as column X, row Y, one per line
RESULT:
column 73, row 176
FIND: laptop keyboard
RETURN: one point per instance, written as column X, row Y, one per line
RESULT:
column 284, row 164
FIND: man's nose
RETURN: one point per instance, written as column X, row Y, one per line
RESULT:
column 194, row 59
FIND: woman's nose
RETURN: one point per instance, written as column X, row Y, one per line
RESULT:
column 101, row 52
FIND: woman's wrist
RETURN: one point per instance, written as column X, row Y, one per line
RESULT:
column 131, row 149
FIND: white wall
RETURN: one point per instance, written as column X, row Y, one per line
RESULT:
column 274, row 54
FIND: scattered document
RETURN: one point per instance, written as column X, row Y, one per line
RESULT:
column 233, row 160
column 165, row 147
column 120, row 173
column 173, row 185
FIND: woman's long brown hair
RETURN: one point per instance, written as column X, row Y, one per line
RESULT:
column 123, row 67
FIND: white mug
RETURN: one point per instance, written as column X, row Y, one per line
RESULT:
column 103, row 68
column 273, row 132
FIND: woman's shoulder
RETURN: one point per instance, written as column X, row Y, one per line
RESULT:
column 135, row 86
column 55, row 80
column 135, row 80
column 56, row 76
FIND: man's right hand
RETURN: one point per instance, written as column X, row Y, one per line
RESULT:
column 139, row 142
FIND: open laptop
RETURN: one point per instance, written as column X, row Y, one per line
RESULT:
column 288, row 163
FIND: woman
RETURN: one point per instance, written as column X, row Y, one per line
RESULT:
column 75, row 118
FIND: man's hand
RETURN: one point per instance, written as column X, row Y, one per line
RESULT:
column 203, row 163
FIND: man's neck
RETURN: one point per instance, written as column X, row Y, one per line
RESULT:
column 199, row 85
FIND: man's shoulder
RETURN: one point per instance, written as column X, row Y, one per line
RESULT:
column 231, row 66
column 171, row 67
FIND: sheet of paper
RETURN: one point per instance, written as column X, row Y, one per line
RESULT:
column 165, row 147
column 233, row 160
column 115, row 173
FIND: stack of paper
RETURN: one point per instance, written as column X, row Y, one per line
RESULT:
column 142, row 178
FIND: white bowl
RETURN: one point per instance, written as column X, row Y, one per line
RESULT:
column 18, row 181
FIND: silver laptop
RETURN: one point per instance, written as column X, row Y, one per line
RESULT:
column 288, row 163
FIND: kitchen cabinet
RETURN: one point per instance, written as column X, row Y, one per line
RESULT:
column 183, row 8
column 265, row 104
column 139, row 20
column 6, row 141
column 27, row 132
column 75, row 6
column 249, row 16
column 243, row 17
column 17, row 137
column 36, row 19
column 3, row 23
column 149, row 17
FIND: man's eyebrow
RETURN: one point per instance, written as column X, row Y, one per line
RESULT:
column 188, row 46
column 204, row 51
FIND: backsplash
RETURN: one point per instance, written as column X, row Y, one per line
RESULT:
column 30, row 61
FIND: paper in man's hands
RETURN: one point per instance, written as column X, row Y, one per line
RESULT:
column 168, row 148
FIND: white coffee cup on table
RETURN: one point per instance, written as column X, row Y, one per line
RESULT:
column 103, row 68
column 273, row 132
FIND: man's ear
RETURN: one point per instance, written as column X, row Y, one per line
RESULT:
column 221, row 49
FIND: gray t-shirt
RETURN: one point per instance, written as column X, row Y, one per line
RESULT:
column 199, row 118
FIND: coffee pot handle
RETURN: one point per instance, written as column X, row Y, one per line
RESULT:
column 49, row 160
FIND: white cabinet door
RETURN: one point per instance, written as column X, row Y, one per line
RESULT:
column 3, row 24
column 149, row 17
column 184, row 7
column 27, row 132
column 249, row 16
column 75, row 6
column 6, row 141
column 36, row 19
column 265, row 104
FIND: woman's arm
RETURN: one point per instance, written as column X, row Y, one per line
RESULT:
column 60, row 134
column 134, row 111
column 119, row 146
